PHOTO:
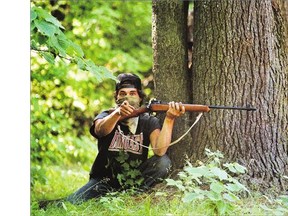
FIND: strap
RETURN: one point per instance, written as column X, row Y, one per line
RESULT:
column 195, row 122
column 173, row 143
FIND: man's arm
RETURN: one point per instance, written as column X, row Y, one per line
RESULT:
column 103, row 127
column 160, row 140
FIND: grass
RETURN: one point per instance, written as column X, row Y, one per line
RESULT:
column 161, row 200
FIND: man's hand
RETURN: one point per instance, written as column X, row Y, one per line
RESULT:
column 175, row 110
column 125, row 109
column 162, row 139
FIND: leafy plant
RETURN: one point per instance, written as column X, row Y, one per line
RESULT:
column 278, row 206
column 130, row 176
column 211, row 182
column 50, row 42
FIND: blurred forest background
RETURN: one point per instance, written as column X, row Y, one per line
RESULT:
column 72, row 70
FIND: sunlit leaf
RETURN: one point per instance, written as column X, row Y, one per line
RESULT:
column 33, row 15
column 48, row 56
column 240, row 168
column 233, row 187
column 217, row 187
column 230, row 197
column 45, row 27
column 75, row 49
column 196, row 171
column 54, row 21
column 47, row 16
column 189, row 197
column 213, row 196
column 80, row 63
column 177, row 183
column 55, row 44
column 221, row 174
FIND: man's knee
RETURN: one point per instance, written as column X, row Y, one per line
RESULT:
column 162, row 163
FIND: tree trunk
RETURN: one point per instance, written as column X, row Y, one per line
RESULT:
column 240, row 58
column 169, row 26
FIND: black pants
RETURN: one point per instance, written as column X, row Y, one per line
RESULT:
column 153, row 170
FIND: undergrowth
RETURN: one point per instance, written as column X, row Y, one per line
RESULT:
column 210, row 188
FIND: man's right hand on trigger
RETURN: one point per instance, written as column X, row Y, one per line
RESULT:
column 125, row 109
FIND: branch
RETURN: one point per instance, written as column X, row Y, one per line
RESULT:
column 52, row 52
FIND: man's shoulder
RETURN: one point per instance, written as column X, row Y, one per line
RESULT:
column 102, row 114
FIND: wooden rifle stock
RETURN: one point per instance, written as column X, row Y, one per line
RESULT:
column 164, row 108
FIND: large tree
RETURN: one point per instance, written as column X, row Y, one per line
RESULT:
column 239, row 58
column 169, row 21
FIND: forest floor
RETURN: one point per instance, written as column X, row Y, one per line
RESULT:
column 161, row 200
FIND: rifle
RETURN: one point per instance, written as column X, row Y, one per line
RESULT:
column 158, row 106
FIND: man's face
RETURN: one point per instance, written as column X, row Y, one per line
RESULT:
column 129, row 94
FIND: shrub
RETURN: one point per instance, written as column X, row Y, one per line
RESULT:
column 211, row 182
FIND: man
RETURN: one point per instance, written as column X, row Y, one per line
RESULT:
column 123, row 140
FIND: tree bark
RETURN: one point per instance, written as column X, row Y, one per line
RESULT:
column 171, row 78
column 240, row 58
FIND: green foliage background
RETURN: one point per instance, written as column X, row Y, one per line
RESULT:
column 75, row 56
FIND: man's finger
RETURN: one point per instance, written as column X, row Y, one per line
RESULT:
column 172, row 104
column 182, row 108
column 177, row 106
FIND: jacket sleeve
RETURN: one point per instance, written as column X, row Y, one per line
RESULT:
column 99, row 116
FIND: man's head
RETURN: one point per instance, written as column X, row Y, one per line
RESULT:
column 128, row 87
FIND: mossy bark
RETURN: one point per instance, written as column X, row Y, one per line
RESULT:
column 170, row 67
column 240, row 58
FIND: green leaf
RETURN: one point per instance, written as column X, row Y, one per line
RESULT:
column 106, row 73
column 192, row 196
column 48, row 56
column 80, row 63
column 230, row 197
column 33, row 44
column 233, row 187
column 236, row 182
column 47, row 16
column 235, row 168
column 217, row 187
column 54, row 21
column 178, row 184
column 213, row 196
column 172, row 182
column 41, row 12
column 53, row 41
column 45, row 27
column 221, row 174
column 90, row 66
column 63, row 41
column 240, row 168
column 41, row 39
column 32, row 26
column 230, row 167
column 33, row 15
column 75, row 49
column 196, row 171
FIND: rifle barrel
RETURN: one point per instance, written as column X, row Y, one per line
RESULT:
column 248, row 108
